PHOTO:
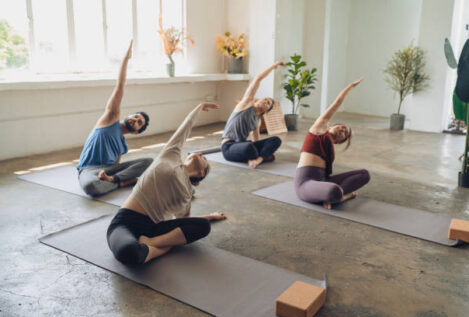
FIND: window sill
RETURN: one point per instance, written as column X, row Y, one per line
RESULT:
column 101, row 80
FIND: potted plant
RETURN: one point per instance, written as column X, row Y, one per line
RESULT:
column 461, row 102
column 173, row 40
column 405, row 75
column 299, row 83
column 235, row 48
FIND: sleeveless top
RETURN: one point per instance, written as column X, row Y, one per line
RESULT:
column 321, row 145
column 240, row 124
column 103, row 146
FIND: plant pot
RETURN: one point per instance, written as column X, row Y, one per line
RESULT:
column 235, row 66
column 397, row 121
column 170, row 69
column 291, row 120
column 463, row 180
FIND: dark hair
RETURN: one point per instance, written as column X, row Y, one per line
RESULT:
column 147, row 121
column 195, row 180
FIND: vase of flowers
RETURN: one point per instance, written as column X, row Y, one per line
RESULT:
column 234, row 48
column 172, row 39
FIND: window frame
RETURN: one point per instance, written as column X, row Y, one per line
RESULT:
column 72, row 34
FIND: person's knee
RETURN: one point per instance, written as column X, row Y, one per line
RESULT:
column 147, row 161
column 251, row 152
column 276, row 141
column 91, row 189
column 334, row 194
column 365, row 175
column 204, row 227
column 199, row 229
column 131, row 253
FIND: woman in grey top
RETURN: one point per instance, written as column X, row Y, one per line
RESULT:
column 143, row 228
column 245, row 120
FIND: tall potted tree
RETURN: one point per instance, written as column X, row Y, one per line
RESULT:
column 405, row 75
column 461, row 102
column 299, row 83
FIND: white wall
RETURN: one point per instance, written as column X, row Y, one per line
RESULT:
column 205, row 20
column 40, row 121
column 313, row 49
column 262, row 42
column 427, row 110
column 288, row 41
column 377, row 28
column 339, row 30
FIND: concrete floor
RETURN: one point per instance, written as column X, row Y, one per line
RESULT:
column 372, row 272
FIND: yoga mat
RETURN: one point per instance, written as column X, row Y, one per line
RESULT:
column 213, row 280
column 277, row 167
column 65, row 178
column 208, row 150
column 412, row 222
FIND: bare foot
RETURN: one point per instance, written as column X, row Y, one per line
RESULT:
column 104, row 177
column 348, row 196
column 144, row 240
column 255, row 163
column 327, row 205
column 154, row 252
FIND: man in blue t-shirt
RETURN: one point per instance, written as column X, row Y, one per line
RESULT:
column 99, row 169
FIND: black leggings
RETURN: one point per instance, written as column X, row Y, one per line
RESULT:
column 127, row 226
column 247, row 150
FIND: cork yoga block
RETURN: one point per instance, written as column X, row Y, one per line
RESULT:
column 300, row 300
column 459, row 230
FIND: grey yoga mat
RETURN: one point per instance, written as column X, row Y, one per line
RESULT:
column 66, row 179
column 208, row 150
column 213, row 280
column 412, row 222
column 277, row 167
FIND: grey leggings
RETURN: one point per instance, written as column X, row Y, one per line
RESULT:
column 312, row 185
column 93, row 186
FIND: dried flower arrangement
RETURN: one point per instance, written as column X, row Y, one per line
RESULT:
column 172, row 37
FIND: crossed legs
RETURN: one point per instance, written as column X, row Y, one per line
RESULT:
column 311, row 185
column 135, row 239
column 100, row 180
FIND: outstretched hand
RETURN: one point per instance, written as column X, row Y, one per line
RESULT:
column 128, row 55
column 279, row 63
column 215, row 216
column 206, row 106
column 355, row 83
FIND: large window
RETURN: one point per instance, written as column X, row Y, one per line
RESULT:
column 63, row 36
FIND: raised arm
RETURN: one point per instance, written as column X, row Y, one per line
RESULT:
column 254, row 85
column 112, row 111
column 321, row 123
column 172, row 149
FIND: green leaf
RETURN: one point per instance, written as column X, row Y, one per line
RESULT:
column 305, row 105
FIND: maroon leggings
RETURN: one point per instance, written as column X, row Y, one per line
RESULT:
column 312, row 185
